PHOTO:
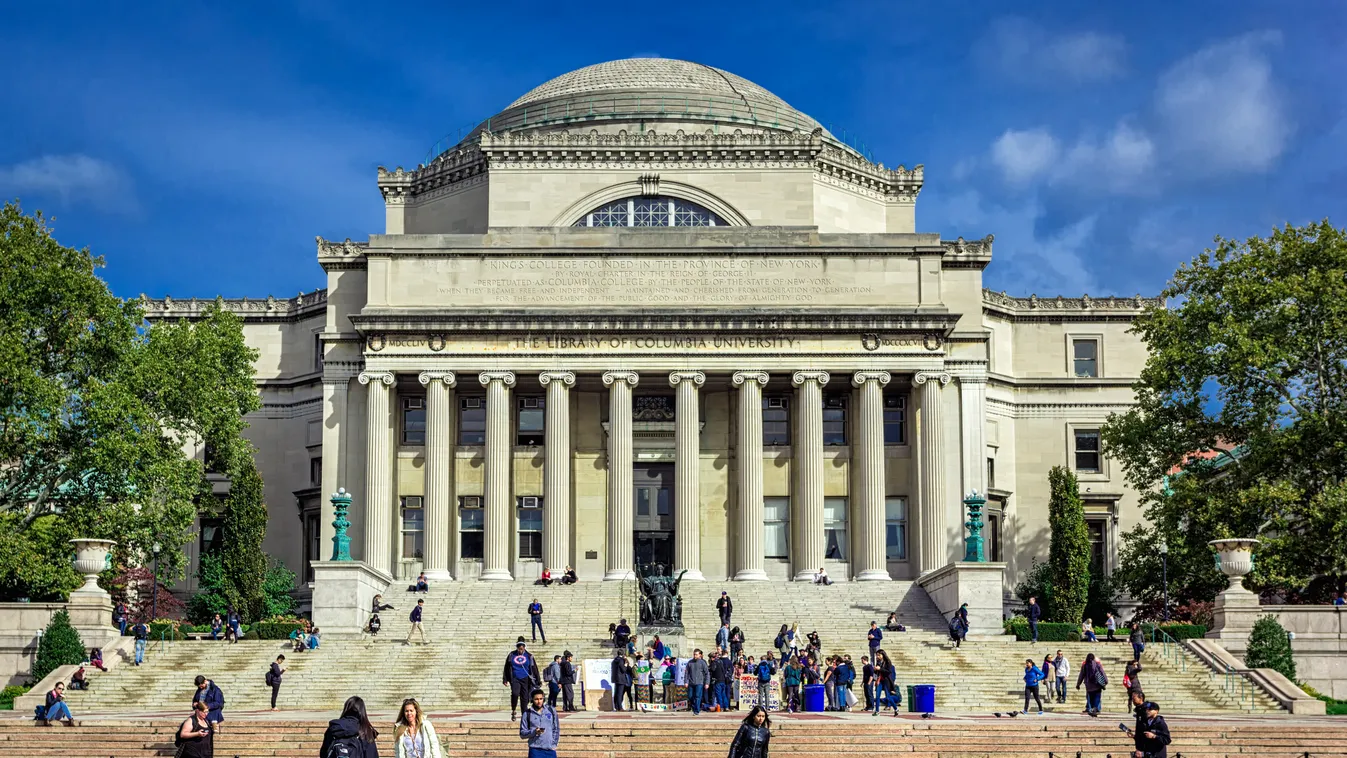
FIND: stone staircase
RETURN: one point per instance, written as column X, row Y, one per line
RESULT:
column 675, row 736
column 473, row 625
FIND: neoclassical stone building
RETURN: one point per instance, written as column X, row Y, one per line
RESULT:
column 651, row 313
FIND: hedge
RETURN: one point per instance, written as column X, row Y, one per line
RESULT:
column 8, row 694
column 1177, row 631
column 274, row 630
column 1059, row 632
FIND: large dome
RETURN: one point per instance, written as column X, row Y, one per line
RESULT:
column 636, row 92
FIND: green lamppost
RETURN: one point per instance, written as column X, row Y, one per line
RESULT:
column 973, row 552
column 341, row 541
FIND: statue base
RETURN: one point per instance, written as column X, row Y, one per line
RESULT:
column 674, row 637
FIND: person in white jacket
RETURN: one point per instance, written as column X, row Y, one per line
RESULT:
column 1063, row 667
column 414, row 736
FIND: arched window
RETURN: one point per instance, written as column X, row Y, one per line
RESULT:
column 650, row 211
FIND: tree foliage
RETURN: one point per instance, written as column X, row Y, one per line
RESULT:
column 94, row 409
column 60, row 646
column 245, row 526
column 1270, row 648
column 1069, row 551
column 1245, row 392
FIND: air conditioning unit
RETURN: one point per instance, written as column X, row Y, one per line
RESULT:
column 413, row 403
column 835, row 402
column 531, row 501
column 895, row 401
column 471, row 501
column 472, row 403
column 776, row 403
column 528, row 403
column 412, row 501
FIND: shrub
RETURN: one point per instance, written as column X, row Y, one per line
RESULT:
column 1048, row 631
column 210, row 597
column 60, row 646
column 8, row 694
column 277, row 591
column 1037, row 583
column 274, row 630
column 1269, row 648
column 1069, row 550
column 166, row 629
column 136, row 588
column 1178, row 631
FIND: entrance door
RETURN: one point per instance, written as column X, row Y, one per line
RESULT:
column 654, row 517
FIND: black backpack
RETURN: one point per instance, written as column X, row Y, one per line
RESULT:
column 346, row 747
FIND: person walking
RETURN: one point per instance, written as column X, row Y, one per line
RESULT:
column 552, row 678
column 235, row 624
column 1151, row 738
column 56, row 708
column 521, row 676
column 698, row 675
column 351, row 734
column 791, row 676
column 1095, row 680
column 722, row 677
column 754, row 735
column 765, row 670
column 868, row 681
column 119, row 618
column 1034, row 613
column 1132, row 678
column 274, row 675
column 536, row 620
column 1138, row 640
column 874, row 637
column 1032, row 676
column 413, row 734
column 1063, row 670
column 723, row 637
column 416, row 628
column 208, row 693
column 567, row 681
column 725, row 608
column 142, row 635
column 846, row 672
column 736, row 642
column 541, row 727
column 620, row 675
column 1110, row 625
column 782, row 641
column 194, row 738
column 886, row 684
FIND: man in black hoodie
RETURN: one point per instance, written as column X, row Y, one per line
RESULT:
column 722, row 678
column 521, row 676
column 568, row 681
column 1151, row 735
column 620, row 675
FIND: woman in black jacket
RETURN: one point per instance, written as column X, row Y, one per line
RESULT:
column 755, row 732
column 351, row 731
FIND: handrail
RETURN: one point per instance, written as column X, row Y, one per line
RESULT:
column 1170, row 648
column 1236, row 685
column 1233, row 681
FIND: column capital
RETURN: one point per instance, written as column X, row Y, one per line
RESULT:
column 565, row 377
column 377, row 376
column 861, row 377
column 487, row 377
column 696, row 378
column 921, row 377
column 749, row 376
column 800, row 377
column 629, row 377
column 426, row 377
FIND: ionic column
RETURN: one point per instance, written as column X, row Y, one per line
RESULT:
column 621, row 554
column 687, row 488
column 748, row 464
column 557, row 473
column 869, row 560
column 932, row 537
column 973, row 415
column 439, row 471
column 378, row 472
column 499, row 504
column 807, row 501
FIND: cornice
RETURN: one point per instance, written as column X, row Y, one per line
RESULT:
column 253, row 310
column 344, row 255
column 1084, row 308
column 719, row 320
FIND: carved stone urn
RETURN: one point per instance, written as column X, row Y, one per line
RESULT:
column 1235, row 559
column 91, row 559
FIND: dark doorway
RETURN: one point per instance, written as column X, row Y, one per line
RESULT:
column 654, row 518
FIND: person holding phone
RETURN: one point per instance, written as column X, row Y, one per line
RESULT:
column 540, row 726
column 1151, row 737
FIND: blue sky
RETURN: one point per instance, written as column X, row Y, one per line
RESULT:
column 201, row 149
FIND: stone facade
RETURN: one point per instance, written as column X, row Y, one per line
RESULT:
column 799, row 379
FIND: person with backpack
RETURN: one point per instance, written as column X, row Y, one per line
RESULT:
column 1095, row 680
column 142, row 635
column 235, row 624
column 1131, row 678
column 413, row 735
column 541, row 727
column 886, row 684
column 521, row 676
column 552, row 678
column 274, row 675
column 195, row 738
column 567, row 682
column 722, row 680
column 765, row 670
column 207, row 692
column 958, row 629
column 790, row 685
column 56, row 708
column 723, row 637
column 780, row 643
column 1032, row 676
column 351, row 735
column 846, row 672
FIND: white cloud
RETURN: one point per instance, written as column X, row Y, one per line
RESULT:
column 1025, row 156
column 1113, row 163
column 1221, row 109
column 1026, row 52
column 71, row 178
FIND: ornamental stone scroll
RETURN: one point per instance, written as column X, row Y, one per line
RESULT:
column 505, row 377
column 740, row 377
column 696, row 378
column 565, row 377
column 628, row 377
column 386, row 377
column 921, row 377
column 447, row 377
column 861, row 377
column 811, row 375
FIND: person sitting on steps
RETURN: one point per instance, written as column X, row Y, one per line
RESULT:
column 821, row 577
column 568, row 576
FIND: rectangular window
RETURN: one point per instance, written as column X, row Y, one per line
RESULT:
column 413, row 528
column 1098, row 529
column 835, row 420
column 776, row 527
column 313, row 544
column 835, row 528
column 991, row 473
column 317, row 352
column 470, row 527
column 212, row 536
column 316, row 472
column 775, row 421
column 1087, row 451
column 1085, row 357
column 413, row 421
column 895, row 419
column 472, row 421
column 992, row 533
column 531, row 527
column 530, row 421
column 895, row 528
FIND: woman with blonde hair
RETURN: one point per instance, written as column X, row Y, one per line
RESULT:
column 414, row 736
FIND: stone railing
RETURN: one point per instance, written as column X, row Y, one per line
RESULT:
column 267, row 308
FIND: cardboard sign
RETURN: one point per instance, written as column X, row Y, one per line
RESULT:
column 748, row 693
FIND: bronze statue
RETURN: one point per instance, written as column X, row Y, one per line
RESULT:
column 660, row 603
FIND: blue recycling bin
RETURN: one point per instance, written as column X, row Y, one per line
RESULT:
column 923, row 698
column 813, row 698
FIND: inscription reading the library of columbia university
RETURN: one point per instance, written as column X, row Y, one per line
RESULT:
column 650, row 281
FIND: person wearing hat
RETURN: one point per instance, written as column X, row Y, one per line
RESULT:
column 540, row 726
column 724, row 607
column 521, row 676
column 1151, row 736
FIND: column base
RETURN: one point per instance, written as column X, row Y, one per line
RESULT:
column 619, row 575
column 495, row 575
column 751, row 575
column 804, row 576
column 874, row 575
column 439, row 575
column 692, row 575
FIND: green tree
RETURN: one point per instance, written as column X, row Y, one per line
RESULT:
column 277, row 591
column 1069, row 552
column 245, row 525
column 60, row 646
column 210, row 596
column 1270, row 648
column 94, row 408
column 1245, row 391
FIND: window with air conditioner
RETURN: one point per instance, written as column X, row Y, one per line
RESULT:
column 834, row 420
column 472, row 421
column 413, row 528
column 775, row 421
column 531, row 421
column 413, row 421
column 471, row 524
column 530, row 529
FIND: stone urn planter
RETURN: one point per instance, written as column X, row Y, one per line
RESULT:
column 91, row 559
column 1235, row 558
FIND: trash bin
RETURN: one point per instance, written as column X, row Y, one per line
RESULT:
column 813, row 698
column 923, row 699
column 911, row 700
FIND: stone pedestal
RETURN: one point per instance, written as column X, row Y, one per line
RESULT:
column 1236, row 608
column 977, row 584
column 343, row 592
